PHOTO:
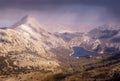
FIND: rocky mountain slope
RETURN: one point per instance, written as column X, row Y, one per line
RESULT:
column 26, row 45
column 103, row 39
column 108, row 36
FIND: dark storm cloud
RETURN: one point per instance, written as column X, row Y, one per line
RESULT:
column 57, row 2
column 53, row 2
column 112, row 5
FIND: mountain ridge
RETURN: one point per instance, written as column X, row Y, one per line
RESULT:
column 104, row 39
column 28, row 46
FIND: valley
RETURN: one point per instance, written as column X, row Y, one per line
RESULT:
column 28, row 52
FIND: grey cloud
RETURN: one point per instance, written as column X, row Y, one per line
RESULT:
column 32, row 3
column 112, row 5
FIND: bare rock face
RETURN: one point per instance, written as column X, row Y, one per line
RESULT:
column 103, row 39
column 26, row 44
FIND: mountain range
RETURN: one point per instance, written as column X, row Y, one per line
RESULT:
column 26, row 47
column 103, row 39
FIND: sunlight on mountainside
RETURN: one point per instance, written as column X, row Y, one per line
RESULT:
column 59, row 40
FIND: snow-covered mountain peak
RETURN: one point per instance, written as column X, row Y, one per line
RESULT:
column 27, row 20
column 28, row 23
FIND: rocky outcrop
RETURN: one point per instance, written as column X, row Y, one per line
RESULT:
column 26, row 44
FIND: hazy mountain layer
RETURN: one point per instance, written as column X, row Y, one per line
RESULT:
column 103, row 39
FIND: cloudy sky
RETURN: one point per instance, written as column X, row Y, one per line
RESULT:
column 77, row 13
